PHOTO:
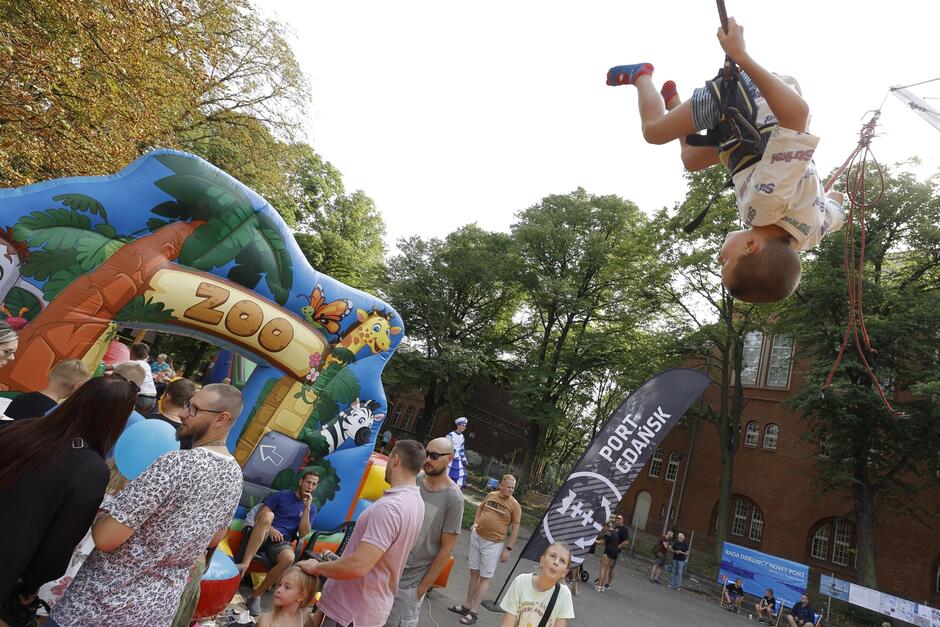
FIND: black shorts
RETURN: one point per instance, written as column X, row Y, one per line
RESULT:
column 272, row 549
column 612, row 555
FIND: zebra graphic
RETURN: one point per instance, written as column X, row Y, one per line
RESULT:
column 354, row 423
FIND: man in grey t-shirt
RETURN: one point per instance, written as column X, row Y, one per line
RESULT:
column 443, row 514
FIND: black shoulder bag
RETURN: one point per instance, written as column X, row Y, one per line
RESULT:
column 551, row 606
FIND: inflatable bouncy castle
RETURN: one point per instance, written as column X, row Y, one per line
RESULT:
column 173, row 244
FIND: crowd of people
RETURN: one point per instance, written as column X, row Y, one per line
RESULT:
column 106, row 550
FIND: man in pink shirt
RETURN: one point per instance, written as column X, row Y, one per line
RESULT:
column 362, row 583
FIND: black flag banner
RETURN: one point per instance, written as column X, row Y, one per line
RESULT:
column 613, row 460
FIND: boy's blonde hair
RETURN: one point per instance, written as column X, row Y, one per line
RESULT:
column 767, row 276
column 69, row 372
column 309, row 586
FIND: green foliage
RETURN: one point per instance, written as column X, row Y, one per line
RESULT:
column 233, row 229
column 81, row 202
column 457, row 296
column 588, row 266
column 140, row 310
column 883, row 460
column 329, row 481
column 287, row 479
column 18, row 298
column 340, row 234
column 59, row 280
column 71, row 245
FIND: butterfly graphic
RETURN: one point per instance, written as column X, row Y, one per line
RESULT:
column 326, row 315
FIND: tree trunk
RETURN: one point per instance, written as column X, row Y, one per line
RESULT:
column 425, row 421
column 864, row 496
column 77, row 317
column 533, row 434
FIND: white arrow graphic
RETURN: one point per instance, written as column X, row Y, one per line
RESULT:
column 606, row 505
column 584, row 543
column 269, row 454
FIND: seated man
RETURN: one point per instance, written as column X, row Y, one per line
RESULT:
column 802, row 614
column 734, row 595
column 283, row 516
column 765, row 607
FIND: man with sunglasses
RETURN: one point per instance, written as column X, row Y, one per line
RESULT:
column 160, row 524
column 443, row 515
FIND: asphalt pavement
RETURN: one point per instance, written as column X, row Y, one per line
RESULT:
column 631, row 600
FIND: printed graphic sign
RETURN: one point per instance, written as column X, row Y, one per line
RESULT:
column 835, row 588
column 612, row 462
column 759, row 571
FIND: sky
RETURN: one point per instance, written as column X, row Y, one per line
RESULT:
column 447, row 113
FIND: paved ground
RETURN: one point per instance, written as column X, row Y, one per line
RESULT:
column 632, row 599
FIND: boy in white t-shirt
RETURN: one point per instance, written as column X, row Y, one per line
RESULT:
column 529, row 594
column 780, row 197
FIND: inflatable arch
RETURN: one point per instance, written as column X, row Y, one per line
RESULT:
column 173, row 243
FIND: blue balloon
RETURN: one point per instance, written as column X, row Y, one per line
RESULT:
column 141, row 444
column 221, row 567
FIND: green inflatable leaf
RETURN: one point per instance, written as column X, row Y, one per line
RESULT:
column 18, row 298
column 55, row 229
column 284, row 480
column 155, row 224
column 81, row 202
column 60, row 280
column 220, row 240
column 41, row 264
column 140, row 310
column 344, row 387
column 94, row 249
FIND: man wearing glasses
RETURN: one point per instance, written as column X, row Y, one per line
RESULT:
column 443, row 515
column 156, row 528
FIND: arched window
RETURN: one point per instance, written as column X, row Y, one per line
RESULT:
column 756, row 533
column 750, row 357
column 746, row 520
column 672, row 470
column 751, row 433
column 399, row 408
column 409, row 418
column 656, row 463
column 771, row 436
column 833, row 540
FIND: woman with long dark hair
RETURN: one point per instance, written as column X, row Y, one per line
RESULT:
column 52, row 479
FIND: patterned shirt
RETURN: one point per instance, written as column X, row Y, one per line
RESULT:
column 175, row 507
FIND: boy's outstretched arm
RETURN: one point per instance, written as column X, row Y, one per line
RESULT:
column 791, row 110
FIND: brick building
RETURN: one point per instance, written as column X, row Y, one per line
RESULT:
column 494, row 430
column 775, row 508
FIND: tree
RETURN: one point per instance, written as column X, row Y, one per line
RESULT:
column 88, row 86
column 457, row 298
column 587, row 266
column 712, row 324
column 880, row 458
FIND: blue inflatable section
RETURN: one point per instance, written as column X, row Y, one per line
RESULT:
column 172, row 243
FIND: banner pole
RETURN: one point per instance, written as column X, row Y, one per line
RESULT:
column 493, row 605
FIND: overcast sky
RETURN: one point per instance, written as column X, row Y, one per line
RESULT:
column 447, row 113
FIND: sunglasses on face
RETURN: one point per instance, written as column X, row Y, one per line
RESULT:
column 436, row 456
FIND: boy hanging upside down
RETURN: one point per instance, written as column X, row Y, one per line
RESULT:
column 779, row 194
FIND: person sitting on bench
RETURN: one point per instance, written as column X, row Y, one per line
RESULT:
column 765, row 607
column 802, row 613
column 734, row 595
column 283, row 516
